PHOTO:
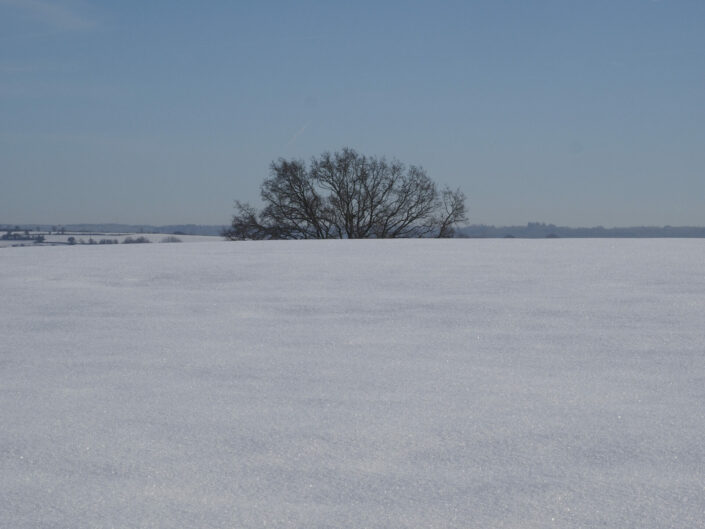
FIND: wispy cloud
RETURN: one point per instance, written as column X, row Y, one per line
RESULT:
column 53, row 14
column 298, row 133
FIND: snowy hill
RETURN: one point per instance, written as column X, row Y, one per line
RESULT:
column 379, row 384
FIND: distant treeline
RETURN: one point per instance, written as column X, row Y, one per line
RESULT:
column 540, row 230
column 175, row 229
column 532, row 230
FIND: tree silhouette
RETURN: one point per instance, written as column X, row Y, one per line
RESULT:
column 346, row 195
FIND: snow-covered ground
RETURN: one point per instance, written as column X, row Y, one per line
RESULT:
column 355, row 384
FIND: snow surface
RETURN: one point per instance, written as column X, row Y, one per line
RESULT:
column 356, row 384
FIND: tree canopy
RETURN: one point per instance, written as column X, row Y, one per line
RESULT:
column 347, row 195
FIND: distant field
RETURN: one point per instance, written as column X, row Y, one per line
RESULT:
column 378, row 384
column 80, row 238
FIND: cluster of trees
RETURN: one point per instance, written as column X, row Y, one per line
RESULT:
column 128, row 240
column 137, row 240
column 346, row 195
column 72, row 240
column 12, row 235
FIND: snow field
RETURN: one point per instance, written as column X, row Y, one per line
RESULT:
column 378, row 384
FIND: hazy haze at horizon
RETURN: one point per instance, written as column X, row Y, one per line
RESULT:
column 572, row 113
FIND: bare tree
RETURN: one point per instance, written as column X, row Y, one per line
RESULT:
column 246, row 224
column 452, row 211
column 347, row 195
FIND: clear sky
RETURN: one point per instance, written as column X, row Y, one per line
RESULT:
column 577, row 113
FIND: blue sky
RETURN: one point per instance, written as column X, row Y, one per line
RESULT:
column 578, row 113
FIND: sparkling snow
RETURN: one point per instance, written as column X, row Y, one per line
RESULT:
column 356, row 384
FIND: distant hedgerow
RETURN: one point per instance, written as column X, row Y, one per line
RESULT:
column 137, row 240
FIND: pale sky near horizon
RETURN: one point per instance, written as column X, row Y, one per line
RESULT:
column 577, row 113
